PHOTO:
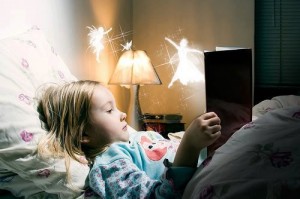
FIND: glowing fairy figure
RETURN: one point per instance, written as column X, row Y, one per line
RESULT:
column 186, row 71
column 96, row 35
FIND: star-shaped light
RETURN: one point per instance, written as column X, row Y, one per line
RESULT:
column 127, row 46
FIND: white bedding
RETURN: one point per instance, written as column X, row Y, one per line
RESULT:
column 27, row 61
column 277, row 102
column 261, row 160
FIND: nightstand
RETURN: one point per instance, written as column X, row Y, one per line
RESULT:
column 163, row 127
column 162, row 123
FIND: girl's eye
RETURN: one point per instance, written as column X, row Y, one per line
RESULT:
column 109, row 111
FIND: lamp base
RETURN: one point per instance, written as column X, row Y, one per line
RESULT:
column 134, row 110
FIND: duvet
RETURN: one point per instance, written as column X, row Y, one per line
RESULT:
column 261, row 160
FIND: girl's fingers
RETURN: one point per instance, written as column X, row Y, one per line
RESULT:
column 216, row 134
column 214, row 121
column 214, row 129
column 212, row 118
column 209, row 115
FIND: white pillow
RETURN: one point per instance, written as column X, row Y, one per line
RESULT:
column 282, row 101
column 287, row 100
column 26, row 62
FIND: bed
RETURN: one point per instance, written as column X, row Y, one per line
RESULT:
column 260, row 160
column 244, row 165
column 27, row 61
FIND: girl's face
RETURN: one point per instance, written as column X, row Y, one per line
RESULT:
column 107, row 124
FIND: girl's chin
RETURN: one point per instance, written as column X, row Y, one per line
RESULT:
column 125, row 136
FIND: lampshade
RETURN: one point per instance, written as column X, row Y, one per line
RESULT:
column 134, row 68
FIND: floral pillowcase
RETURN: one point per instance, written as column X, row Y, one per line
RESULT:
column 27, row 61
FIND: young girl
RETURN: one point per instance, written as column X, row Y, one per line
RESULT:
column 82, row 120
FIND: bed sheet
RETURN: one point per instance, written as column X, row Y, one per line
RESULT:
column 261, row 160
column 27, row 61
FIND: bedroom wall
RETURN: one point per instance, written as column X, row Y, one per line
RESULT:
column 206, row 24
column 65, row 25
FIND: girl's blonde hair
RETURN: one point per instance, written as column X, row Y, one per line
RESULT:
column 64, row 112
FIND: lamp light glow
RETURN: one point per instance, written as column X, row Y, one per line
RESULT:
column 134, row 68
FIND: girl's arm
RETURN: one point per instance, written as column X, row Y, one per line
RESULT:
column 123, row 179
column 202, row 132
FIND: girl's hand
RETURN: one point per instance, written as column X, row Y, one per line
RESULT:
column 203, row 131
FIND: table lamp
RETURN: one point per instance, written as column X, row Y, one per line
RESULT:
column 134, row 68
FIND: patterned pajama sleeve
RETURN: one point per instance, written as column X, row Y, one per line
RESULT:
column 123, row 179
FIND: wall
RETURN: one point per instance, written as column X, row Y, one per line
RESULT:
column 115, row 14
column 65, row 25
column 206, row 24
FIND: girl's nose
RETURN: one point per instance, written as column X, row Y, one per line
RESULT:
column 123, row 116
